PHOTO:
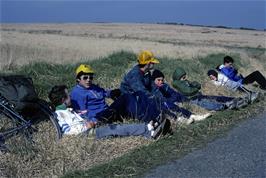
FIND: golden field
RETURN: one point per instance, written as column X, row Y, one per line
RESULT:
column 68, row 43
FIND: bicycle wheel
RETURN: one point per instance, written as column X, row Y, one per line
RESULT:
column 45, row 121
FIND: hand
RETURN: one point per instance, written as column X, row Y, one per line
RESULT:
column 114, row 94
column 90, row 124
column 82, row 112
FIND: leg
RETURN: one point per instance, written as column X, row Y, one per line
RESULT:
column 209, row 104
column 113, row 130
column 221, row 99
column 255, row 77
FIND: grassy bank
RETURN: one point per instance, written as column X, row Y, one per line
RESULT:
column 184, row 140
column 124, row 157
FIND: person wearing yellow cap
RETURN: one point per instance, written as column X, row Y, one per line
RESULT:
column 137, row 83
column 88, row 98
column 138, row 79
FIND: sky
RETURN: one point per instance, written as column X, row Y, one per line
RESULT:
column 230, row 13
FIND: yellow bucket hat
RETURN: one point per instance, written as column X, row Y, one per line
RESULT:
column 84, row 68
column 146, row 57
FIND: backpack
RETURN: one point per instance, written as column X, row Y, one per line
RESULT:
column 18, row 90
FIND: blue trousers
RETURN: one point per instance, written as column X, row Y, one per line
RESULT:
column 174, row 110
column 136, row 106
column 215, row 103
column 122, row 130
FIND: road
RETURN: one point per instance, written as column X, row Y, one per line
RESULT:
column 241, row 153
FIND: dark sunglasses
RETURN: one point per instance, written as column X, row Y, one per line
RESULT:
column 87, row 77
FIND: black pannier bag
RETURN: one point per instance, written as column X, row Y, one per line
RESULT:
column 19, row 91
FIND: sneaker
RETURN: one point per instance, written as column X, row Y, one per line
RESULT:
column 232, row 104
column 254, row 96
column 150, row 126
column 241, row 103
column 200, row 117
column 162, row 129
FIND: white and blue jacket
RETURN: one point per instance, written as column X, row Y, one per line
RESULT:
column 231, row 73
column 70, row 122
column 223, row 80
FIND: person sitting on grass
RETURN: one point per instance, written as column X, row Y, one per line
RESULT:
column 167, row 96
column 72, row 123
column 231, row 72
column 88, row 97
column 191, row 91
column 138, row 79
column 137, row 83
column 220, row 79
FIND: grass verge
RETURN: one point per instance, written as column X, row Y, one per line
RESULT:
column 183, row 141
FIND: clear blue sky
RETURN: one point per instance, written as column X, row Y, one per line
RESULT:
column 235, row 13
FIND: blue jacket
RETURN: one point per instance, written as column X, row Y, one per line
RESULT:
column 231, row 73
column 91, row 99
column 136, row 81
column 168, row 95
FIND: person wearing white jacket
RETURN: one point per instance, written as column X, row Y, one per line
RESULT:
column 220, row 79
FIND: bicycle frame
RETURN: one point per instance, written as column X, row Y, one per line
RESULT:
column 21, row 123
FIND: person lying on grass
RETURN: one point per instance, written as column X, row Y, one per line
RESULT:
column 220, row 79
column 72, row 123
column 228, row 69
column 191, row 92
column 167, row 96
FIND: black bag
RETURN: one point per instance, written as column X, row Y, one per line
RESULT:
column 18, row 90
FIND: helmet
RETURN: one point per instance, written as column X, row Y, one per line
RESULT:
column 146, row 57
column 84, row 68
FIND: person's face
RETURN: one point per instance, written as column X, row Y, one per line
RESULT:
column 184, row 77
column 212, row 77
column 67, row 100
column 86, row 80
column 159, row 81
column 228, row 64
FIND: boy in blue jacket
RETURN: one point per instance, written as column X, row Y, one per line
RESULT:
column 231, row 72
column 167, row 97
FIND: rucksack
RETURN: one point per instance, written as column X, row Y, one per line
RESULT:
column 18, row 90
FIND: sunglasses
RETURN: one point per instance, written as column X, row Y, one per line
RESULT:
column 86, row 77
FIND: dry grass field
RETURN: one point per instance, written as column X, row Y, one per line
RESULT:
column 67, row 43
column 21, row 44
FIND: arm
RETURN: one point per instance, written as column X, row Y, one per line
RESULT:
column 172, row 95
column 231, row 73
column 195, row 84
column 185, row 89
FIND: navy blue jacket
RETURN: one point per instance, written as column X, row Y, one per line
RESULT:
column 136, row 81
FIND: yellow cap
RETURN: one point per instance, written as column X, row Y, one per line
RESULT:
column 84, row 68
column 146, row 57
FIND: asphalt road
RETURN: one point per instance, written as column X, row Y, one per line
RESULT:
column 241, row 153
